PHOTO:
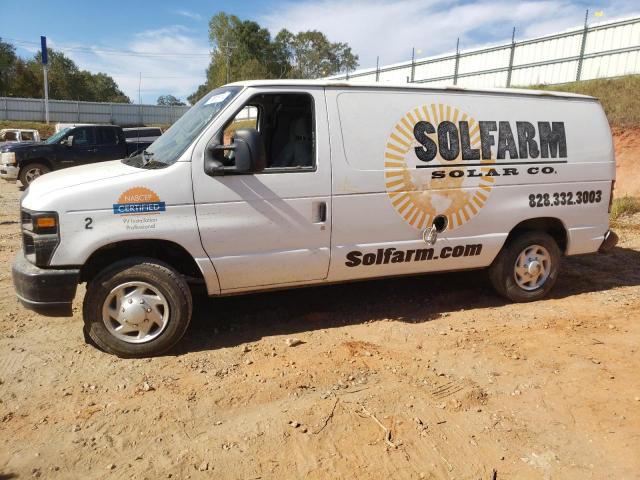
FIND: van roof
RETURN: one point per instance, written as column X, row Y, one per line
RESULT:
column 405, row 86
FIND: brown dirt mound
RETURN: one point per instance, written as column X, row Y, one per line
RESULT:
column 627, row 145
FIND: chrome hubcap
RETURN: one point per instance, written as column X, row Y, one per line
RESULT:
column 135, row 312
column 32, row 174
column 532, row 267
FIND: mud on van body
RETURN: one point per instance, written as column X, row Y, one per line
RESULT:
column 274, row 184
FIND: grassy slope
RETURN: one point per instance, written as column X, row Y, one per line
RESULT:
column 620, row 97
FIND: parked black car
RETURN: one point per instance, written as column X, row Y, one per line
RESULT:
column 67, row 148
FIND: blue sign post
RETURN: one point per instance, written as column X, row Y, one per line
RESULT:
column 43, row 44
column 45, row 66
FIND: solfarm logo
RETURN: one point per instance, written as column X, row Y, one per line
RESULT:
column 440, row 160
column 138, row 200
column 414, row 193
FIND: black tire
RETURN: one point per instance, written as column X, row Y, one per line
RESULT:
column 24, row 175
column 502, row 270
column 163, row 278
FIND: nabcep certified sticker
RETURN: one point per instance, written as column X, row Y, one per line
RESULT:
column 138, row 201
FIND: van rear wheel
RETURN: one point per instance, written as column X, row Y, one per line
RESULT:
column 526, row 268
column 137, row 308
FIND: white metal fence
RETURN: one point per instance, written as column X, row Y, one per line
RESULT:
column 598, row 51
column 32, row 109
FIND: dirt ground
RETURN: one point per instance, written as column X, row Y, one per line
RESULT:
column 429, row 377
column 627, row 145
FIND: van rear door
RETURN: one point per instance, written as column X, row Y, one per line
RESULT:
column 273, row 227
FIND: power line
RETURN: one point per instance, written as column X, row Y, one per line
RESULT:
column 110, row 51
column 124, row 75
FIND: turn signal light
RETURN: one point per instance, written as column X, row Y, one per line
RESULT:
column 45, row 222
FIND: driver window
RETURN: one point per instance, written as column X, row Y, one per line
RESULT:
column 82, row 136
column 286, row 124
column 246, row 118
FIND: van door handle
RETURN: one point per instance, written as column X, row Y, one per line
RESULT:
column 321, row 212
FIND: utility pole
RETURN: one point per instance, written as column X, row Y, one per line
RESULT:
column 139, row 102
column 457, row 64
column 227, row 53
column 583, row 45
column 511, row 55
column 413, row 64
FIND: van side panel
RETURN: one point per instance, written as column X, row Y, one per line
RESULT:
column 485, row 162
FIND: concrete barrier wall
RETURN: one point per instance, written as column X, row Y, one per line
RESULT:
column 32, row 109
column 599, row 51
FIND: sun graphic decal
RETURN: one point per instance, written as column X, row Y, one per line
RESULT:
column 414, row 192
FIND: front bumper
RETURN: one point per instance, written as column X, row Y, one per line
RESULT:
column 46, row 291
column 9, row 172
column 610, row 241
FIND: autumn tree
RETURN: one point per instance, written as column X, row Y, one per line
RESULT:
column 243, row 50
column 169, row 100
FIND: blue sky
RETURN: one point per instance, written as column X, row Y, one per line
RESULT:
column 167, row 41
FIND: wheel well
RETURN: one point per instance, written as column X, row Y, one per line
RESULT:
column 550, row 225
column 43, row 161
column 164, row 250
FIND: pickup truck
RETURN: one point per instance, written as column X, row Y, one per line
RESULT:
column 67, row 148
column 142, row 133
column 15, row 135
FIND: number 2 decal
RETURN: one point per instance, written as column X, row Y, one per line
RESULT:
column 88, row 222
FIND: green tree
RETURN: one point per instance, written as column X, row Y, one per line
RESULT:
column 27, row 81
column 169, row 100
column 242, row 50
column 312, row 55
column 103, row 88
column 24, row 78
column 8, row 61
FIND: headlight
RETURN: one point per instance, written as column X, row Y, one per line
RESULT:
column 40, row 236
column 8, row 158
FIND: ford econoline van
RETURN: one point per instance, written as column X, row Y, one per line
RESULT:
column 276, row 184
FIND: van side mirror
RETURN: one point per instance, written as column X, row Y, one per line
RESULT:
column 249, row 154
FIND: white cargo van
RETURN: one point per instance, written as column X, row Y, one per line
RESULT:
column 329, row 182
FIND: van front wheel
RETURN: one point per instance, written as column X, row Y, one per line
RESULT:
column 526, row 268
column 137, row 308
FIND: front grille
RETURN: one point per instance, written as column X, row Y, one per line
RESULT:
column 26, row 221
column 28, row 244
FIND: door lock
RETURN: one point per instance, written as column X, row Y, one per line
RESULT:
column 439, row 225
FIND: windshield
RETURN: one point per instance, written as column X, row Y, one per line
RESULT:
column 167, row 148
column 56, row 137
